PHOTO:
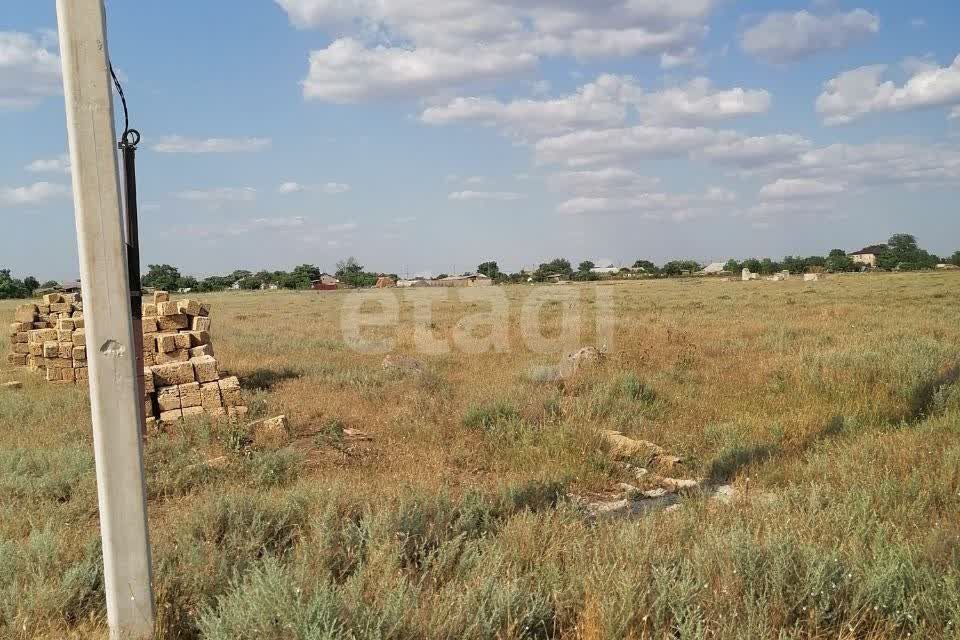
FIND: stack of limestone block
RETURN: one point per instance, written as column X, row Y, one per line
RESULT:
column 49, row 337
column 181, row 377
column 180, row 374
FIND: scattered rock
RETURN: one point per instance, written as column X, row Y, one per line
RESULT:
column 271, row 433
column 545, row 375
column 623, row 508
column 623, row 447
column 676, row 484
column 15, row 384
column 575, row 362
column 218, row 463
column 406, row 364
column 357, row 435
column 724, row 494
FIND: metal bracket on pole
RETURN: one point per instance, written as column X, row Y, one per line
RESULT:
column 115, row 400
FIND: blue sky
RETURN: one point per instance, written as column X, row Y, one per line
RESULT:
column 431, row 135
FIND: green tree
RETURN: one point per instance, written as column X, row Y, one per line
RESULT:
column 559, row 266
column 733, row 266
column 161, row 276
column 250, row 283
column 489, row 269
column 188, row 282
column 646, row 266
column 50, row 284
column 955, row 259
column 301, row 277
column 585, row 266
column 31, row 284
column 752, row 264
column 350, row 272
column 904, row 253
column 838, row 261
column 11, row 287
column 678, row 267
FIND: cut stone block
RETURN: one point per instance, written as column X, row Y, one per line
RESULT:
column 190, row 395
column 192, row 412
column 171, row 416
column 52, row 375
column 147, row 409
column 52, row 298
column 62, row 307
column 230, row 392
column 82, row 373
column 201, row 323
column 67, row 375
column 22, row 336
column 80, row 337
column 237, row 414
column 78, row 321
column 203, row 350
column 149, row 309
column 80, row 353
column 66, row 324
column 22, row 348
column 183, row 341
column 189, row 307
column 51, row 349
column 17, row 359
column 42, row 335
column 160, row 296
column 172, row 373
column 198, row 338
column 149, row 324
column 25, row 313
column 148, row 386
column 205, row 368
column 36, row 349
column 166, row 342
column 167, row 309
column 64, row 335
column 66, row 350
column 168, row 398
column 178, row 355
column 204, row 309
column 172, row 323
column 149, row 359
column 210, row 396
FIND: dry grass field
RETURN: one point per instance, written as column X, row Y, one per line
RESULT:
column 832, row 408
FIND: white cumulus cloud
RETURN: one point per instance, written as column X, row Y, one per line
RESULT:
column 181, row 144
column 856, row 93
column 800, row 188
column 406, row 48
column 786, row 37
column 503, row 196
column 219, row 195
column 36, row 193
column 29, row 71
column 60, row 164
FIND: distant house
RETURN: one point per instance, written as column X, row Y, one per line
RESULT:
column 605, row 271
column 868, row 255
column 555, row 278
column 714, row 268
column 72, row 286
column 466, row 280
column 325, row 282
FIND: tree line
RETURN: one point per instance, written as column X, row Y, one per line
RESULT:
column 900, row 253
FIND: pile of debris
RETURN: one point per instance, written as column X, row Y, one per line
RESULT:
column 181, row 375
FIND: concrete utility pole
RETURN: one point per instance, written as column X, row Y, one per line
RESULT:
column 115, row 402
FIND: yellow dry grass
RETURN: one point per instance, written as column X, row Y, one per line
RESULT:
column 829, row 405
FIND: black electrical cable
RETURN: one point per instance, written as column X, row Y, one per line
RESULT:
column 130, row 137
